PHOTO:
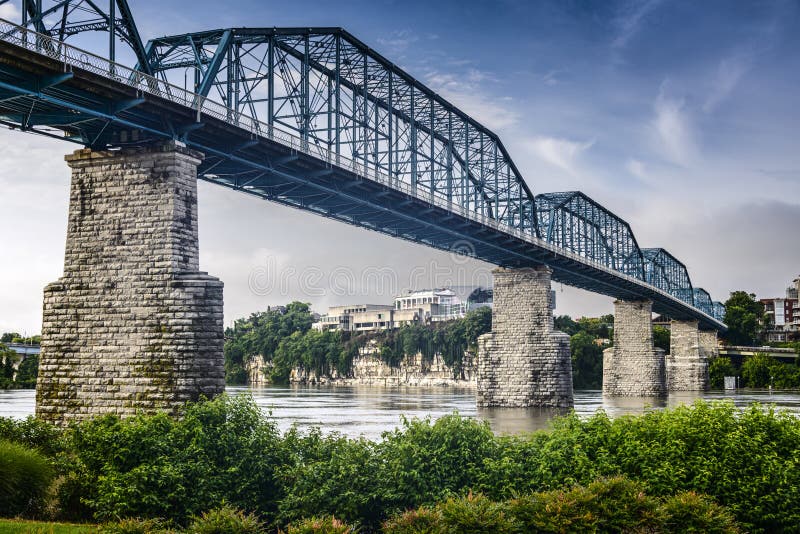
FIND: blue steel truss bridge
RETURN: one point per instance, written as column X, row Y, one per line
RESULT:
column 314, row 119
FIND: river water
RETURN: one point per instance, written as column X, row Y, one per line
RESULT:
column 369, row 411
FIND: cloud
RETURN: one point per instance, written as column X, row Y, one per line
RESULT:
column 729, row 72
column 10, row 12
column 637, row 168
column 561, row 153
column 787, row 175
column 399, row 40
column 465, row 91
column 552, row 77
column 672, row 126
column 629, row 21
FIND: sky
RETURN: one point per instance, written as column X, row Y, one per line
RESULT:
column 681, row 117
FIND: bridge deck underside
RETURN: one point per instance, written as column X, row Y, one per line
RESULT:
column 97, row 111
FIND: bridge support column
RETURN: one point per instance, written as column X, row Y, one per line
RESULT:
column 132, row 326
column 687, row 364
column 633, row 367
column 709, row 347
column 523, row 361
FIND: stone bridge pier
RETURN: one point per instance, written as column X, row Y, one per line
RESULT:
column 523, row 361
column 133, row 325
column 633, row 367
column 690, row 350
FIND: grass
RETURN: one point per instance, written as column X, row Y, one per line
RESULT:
column 22, row 526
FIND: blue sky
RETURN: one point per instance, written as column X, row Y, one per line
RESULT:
column 682, row 117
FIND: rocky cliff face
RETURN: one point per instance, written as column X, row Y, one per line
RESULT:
column 368, row 369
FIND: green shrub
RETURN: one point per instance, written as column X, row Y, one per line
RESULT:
column 718, row 369
column 425, row 462
column 475, row 514
column 745, row 460
column 423, row 520
column 690, row 512
column 226, row 520
column 137, row 526
column 320, row 525
column 609, row 505
column 24, row 478
column 756, row 370
column 32, row 433
column 331, row 475
column 157, row 466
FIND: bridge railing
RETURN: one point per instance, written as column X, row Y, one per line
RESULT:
column 73, row 57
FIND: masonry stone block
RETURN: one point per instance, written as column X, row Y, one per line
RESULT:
column 633, row 367
column 133, row 325
column 687, row 364
column 523, row 362
column 709, row 346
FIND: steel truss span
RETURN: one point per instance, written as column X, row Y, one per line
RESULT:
column 332, row 91
column 314, row 119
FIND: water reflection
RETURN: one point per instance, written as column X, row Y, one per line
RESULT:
column 509, row 421
column 369, row 411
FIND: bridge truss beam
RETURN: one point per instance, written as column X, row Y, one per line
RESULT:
column 335, row 92
column 575, row 222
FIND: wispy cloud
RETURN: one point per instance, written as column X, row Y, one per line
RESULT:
column 465, row 91
column 399, row 40
column 561, row 153
column 630, row 18
column 788, row 175
column 674, row 137
column 553, row 77
column 726, row 78
column 638, row 169
column 9, row 11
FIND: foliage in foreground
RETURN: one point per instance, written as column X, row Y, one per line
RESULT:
column 25, row 476
column 609, row 505
column 225, row 451
column 22, row 526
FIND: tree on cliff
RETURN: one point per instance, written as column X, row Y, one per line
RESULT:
column 261, row 334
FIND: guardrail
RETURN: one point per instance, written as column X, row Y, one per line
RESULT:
column 73, row 57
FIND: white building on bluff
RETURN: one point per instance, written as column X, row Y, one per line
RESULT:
column 423, row 306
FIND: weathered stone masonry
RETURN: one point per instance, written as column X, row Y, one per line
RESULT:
column 523, row 362
column 633, row 367
column 687, row 364
column 132, row 325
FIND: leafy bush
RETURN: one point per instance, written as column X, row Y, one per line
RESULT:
column 613, row 505
column 321, row 525
column 33, row 433
column 156, row 466
column 331, row 475
column 609, row 505
column 718, row 369
column 423, row 520
column 226, row 451
column 697, row 448
column 226, row 520
column 137, row 526
column 756, row 370
column 475, row 513
column 690, row 512
column 24, row 478
column 425, row 462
